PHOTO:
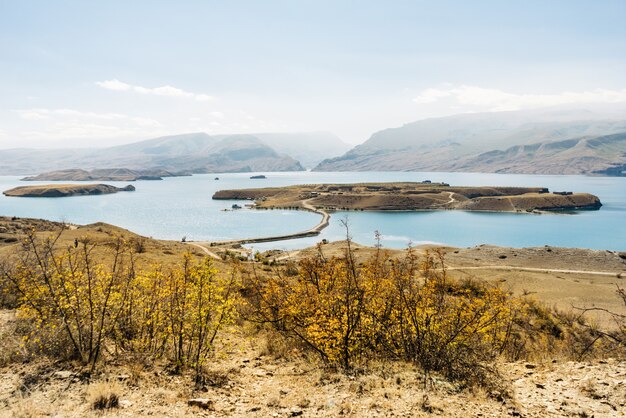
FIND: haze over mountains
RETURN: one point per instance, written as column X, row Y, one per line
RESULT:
column 308, row 148
column 191, row 153
column 533, row 142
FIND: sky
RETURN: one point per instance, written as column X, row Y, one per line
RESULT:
column 92, row 74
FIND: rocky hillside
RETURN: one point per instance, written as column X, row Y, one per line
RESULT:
column 508, row 142
column 595, row 155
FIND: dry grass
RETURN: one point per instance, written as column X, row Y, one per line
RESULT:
column 12, row 331
column 104, row 395
column 25, row 408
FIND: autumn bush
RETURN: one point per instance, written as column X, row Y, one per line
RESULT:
column 77, row 301
column 406, row 309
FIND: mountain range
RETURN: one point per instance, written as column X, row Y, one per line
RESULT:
column 188, row 153
column 532, row 142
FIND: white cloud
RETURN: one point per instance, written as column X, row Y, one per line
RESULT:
column 33, row 114
column 165, row 91
column 115, row 85
column 39, row 114
column 498, row 100
column 70, row 126
column 431, row 95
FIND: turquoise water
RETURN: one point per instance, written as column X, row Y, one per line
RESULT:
column 177, row 207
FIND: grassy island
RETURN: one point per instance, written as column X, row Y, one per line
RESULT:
column 414, row 196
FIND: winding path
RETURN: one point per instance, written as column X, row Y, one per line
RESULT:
column 205, row 250
column 451, row 197
column 537, row 269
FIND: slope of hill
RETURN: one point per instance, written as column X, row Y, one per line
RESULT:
column 519, row 142
column 202, row 153
column 193, row 153
column 595, row 155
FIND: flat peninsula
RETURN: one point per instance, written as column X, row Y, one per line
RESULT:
column 413, row 197
column 64, row 190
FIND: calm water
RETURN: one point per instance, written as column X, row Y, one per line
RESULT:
column 177, row 207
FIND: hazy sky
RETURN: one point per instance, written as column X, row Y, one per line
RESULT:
column 96, row 73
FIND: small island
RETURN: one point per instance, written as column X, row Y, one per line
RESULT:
column 258, row 177
column 103, row 174
column 64, row 190
column 413, row 197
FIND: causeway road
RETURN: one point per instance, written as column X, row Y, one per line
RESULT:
column 306, row 205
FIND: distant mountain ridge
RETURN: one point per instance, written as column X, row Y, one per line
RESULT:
column 189, row 153
column 532, row 142
column 197, row 153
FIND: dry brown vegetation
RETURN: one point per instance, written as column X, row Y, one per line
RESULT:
column 350, row 331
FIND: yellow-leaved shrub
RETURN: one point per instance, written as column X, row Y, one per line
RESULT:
column 91, row 306
column 407, row 309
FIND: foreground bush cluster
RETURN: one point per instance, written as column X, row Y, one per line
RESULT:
column 409, row 309
column 88, row 304
column 80, row 307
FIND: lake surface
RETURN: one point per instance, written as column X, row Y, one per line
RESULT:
column 182, row 206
